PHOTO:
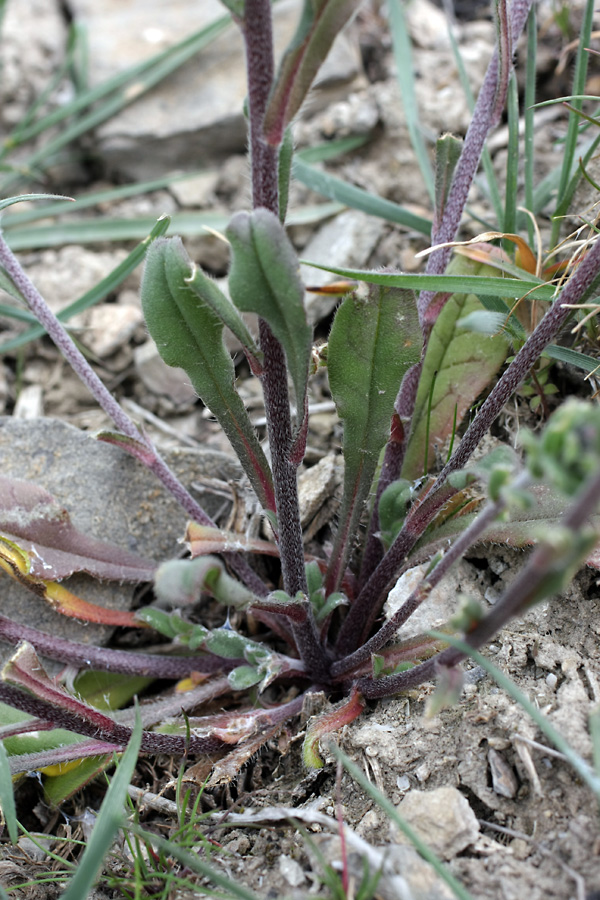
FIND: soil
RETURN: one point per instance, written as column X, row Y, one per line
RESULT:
column 537, row 832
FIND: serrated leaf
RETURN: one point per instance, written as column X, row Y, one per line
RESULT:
column 189, row 334
column 372, row 343
column 319, row 25
column 458, row 365
column 264, row 279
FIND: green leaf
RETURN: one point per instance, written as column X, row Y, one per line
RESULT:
column 244, row 677
column 209, row 293
column 458, row 365
column 110, row 819
column 59, row 788
column 373, row 342
column 7, row 799
column 447, row 153
column 356, row 198
column 264, row 279
column 189, row 334
column 319, row 25
column 227, row 643
column 9, row 201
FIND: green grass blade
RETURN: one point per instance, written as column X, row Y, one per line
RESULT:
column 357, row 198
column 193, row 862
column 529, row 115
column 509, row 224
column 549, row 185
column 579, row 764
column 572, row 357
column 7, row 797
column 187, row 224
column 406, row 79
column 581, row 64
column 16, row 219
column 332, row 149
column 109, row 820
column 390, row 810
column 482, row 286
column 115, row 95
column 93, row 296
column 595, row 736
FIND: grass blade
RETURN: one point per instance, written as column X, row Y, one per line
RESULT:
column 193, row 862
column 391, row 811
column 145, row 76
column 529, row 146
column 482, row 286
column 97, row 293
column 110, row 819
column 7, row 798
column 406, row 80
column 509, row 224
column 579, row 77
column 357, row 198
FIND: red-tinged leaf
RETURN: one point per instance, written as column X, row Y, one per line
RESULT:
column 32, row 518
column 17, row 563
column 137, row 449
column 327, row 723
column 202, row 540
column 320, row 23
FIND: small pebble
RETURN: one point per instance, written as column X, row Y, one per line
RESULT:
column 551, row 681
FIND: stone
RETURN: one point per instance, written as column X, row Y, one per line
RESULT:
column 195, row 115
column 291, row 871
column 110, row 326
column 348, row 240
column 62, row 276
column 161, row 379
column 34, row 38
column 442, row 818
column 441, row 603
column 108, row 495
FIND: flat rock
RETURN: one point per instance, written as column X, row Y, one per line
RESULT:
column 196, row 114
column 110, row 496
column 442, row 818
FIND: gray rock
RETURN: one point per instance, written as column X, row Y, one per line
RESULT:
column 346, row 241
column 442, row 818
column 196, row 114
column 108, row 495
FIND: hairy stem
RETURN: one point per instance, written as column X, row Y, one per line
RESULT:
column 455, row 552
column 515, row 599
column 257, row 29
column 87, row 656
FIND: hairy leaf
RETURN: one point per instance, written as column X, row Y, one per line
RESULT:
column 319, row 25
column 264, row 279
column 373, row 342
column 41, row 527
column 458, row 365
column 203, row 539
column 189, row 334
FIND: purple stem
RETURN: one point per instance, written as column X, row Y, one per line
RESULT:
column 100, row 392
column 515, row 599
column 456, row 551
column 258, row 36
column 368, row 604
column 104, row 660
